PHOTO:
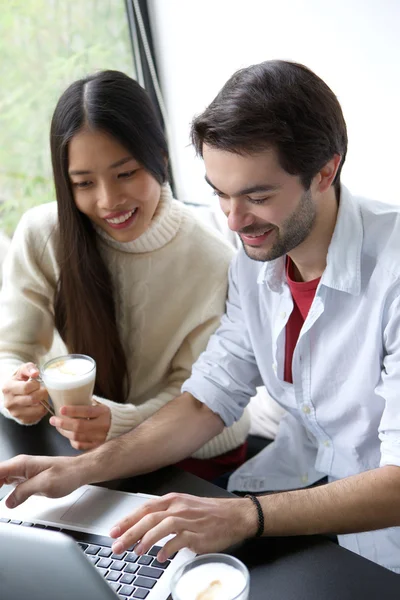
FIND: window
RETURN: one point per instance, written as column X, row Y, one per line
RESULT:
column 44, row 46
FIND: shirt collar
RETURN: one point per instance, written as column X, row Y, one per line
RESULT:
column 343, row 265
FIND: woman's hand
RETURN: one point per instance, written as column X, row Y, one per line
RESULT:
column 86, row 427
column 23, row 396
column 200, row 524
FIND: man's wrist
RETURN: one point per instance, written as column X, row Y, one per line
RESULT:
column 87, row 466
column 248, row 518
column 257, row 508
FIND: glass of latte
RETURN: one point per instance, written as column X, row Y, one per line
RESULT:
column 69, row 380
column 211, row 577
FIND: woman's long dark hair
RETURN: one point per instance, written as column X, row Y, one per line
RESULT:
column 84, row 304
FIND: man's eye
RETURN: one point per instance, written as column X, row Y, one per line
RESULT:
column 258, row 200
column 219, row 194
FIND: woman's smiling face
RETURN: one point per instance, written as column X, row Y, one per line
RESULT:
column 110, row 186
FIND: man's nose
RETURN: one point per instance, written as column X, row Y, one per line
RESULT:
column 238, row 216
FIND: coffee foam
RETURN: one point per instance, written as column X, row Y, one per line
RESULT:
column 211, row 581
column 69, row 373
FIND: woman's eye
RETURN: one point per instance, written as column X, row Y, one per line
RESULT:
column 127, row 174
column 81, row 184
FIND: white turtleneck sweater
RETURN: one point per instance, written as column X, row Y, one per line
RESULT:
column 170, row 287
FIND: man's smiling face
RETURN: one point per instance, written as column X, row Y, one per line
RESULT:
column 269, row 208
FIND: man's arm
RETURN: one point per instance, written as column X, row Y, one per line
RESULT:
column 359, row 503
column 172, row 434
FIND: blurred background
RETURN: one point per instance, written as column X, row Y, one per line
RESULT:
column 183, row 51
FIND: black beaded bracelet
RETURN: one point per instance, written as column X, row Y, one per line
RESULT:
column 260, row 514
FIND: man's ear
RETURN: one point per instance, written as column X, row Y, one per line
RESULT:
column 327, row 174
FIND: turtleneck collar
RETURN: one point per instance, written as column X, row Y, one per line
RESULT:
column 163, row 227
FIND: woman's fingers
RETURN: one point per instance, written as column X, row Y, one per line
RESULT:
column 84, row 438
column 29, row 415
column 84, row 412
column 90, row 430
column 26, row 371
column 84, row 445
column 20, row 388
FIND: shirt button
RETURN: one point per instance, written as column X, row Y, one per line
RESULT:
column 304, row 478
column 306, row 409
column 327, row 443
column 283, row 315
column 274, row 367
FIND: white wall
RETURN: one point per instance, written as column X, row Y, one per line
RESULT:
column 354, row 45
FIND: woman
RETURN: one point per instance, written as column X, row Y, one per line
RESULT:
column 121, row 270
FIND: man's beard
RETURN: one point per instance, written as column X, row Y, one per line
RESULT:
column 293, row 232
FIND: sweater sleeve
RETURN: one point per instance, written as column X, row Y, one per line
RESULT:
column 26, row 300
column 125, row 417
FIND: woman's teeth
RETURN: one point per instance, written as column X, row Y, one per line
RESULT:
column 122, row 218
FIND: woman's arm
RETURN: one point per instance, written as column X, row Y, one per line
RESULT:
column 26, row 309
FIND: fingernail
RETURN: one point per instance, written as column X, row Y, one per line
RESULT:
column 161, row 557
column 115, row 531
column 117, row 548
column 139, row 549
column 11, row 502
column 32, row 371
column 52, row 421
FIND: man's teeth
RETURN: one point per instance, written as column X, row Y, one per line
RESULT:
column 258, row 234
column 122, row 218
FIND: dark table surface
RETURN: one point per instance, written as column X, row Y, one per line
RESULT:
column 295, row 568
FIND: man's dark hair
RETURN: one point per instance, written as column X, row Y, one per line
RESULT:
column 281, row 105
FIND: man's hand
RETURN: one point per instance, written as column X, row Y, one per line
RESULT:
column 23, row 396
column 48, row 476
column 201, row 524
column 86, row 427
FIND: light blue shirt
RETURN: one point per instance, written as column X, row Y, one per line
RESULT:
column 343, row 408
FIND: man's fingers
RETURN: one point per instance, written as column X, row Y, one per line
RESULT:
column 14, row 467
column 167, row 525
column 27, row 488
column 143, row 529
column 157, row 505
column 182, row 540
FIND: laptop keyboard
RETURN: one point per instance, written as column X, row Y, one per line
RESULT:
column 129, row 575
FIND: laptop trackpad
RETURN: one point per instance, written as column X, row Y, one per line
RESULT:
column 100, row 508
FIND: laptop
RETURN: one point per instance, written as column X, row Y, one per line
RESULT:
column 59, row 549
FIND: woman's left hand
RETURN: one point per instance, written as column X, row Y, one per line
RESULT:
column 86, row 427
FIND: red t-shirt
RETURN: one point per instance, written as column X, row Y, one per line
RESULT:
column 303, row 294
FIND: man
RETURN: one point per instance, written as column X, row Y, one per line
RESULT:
column 313, row 314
